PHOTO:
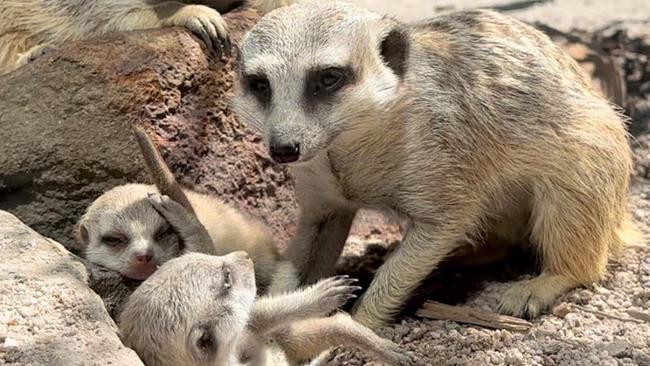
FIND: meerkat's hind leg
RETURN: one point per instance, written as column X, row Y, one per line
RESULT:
column 573, row 236
column 306, row 339
column 193, row 234
column 33, row 53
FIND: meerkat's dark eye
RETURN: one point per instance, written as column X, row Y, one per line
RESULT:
column 206, row 341
column 260, row 87
column 332, row 79
column 322, row 83
column 114, row 240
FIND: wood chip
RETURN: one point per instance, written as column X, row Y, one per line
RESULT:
column 639, row 315
column 463, row 314
column 607, row 315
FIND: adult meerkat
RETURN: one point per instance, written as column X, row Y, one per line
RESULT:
column 201, row 310
column 134, row 228
column 31, row 27
column 471, row 124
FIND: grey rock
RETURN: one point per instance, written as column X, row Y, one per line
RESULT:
column 619, row 348
column 48, row 314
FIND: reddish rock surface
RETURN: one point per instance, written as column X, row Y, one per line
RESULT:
column 66, row 136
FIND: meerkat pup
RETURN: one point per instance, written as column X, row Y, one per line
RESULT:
column 199, row 309
column 471, row 124
column 30, row 27
column 134, row 228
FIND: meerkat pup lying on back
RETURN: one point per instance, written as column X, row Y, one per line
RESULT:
column 471, row 124
column 134, row 228
column 30, row 27
column 201, row 310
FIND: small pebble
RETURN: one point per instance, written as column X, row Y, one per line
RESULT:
column 562, row 310
column 10, row 343
column 619, row 348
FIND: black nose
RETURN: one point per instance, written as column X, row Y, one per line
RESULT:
column 284, row 153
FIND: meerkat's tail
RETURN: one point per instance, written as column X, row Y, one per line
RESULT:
column 629, row 236
column 162, row 177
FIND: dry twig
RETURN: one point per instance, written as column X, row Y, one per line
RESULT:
column 463, row 314
column 606, row 315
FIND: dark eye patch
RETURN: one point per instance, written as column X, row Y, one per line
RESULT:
column 227, row 279
column 322, row 83
column 206, row 342
column 114, row 240
column 223, row 288
column 203, row 342
column 259, row 86
column 163, row 231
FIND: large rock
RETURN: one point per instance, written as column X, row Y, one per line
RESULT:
column 66, row 128
column 48, row 315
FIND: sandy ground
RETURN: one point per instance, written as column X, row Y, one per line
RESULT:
column 587, row 15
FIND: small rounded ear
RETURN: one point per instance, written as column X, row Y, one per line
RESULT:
column 394, row 50
column 81, row 234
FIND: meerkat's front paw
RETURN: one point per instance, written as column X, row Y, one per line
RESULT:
column 529, row 298
column 32, row 54
column 194, row 235
column 205, row 22
column 332, row 293
column 173, row 212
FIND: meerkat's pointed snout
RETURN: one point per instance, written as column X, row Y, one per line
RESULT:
column 284, row 151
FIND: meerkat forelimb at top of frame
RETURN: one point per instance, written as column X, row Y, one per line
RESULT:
column 133, row 228
column 201, row 310
column 30, row 28
column 470, row 124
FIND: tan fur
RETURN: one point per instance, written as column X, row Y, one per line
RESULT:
column 305, row 339
column 139, row 214
column 471, row 125
column 126, row 209
column 30, row 27
column 191, row 298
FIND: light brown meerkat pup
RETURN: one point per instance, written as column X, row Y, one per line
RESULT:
column 470, row 124
column 133, row 228
column 30, row 27
column 201, row 310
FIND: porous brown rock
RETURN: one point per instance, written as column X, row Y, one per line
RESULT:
column 66, row 134
column 48, row 315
